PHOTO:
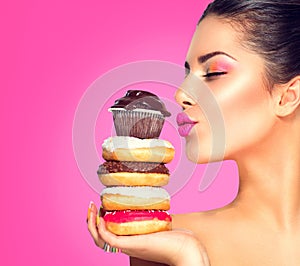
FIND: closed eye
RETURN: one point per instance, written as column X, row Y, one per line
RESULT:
column 213, row 74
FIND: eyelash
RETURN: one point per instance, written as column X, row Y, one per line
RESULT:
column 211, row 75
column 208, row 76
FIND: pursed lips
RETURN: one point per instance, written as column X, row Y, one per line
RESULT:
column 185, row 124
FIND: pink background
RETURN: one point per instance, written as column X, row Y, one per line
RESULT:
column 51, row 53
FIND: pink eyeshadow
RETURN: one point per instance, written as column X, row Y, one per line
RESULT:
column 220, row 65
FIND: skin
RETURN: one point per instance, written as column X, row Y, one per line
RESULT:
column 262, row 225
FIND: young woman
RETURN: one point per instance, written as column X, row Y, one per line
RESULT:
column 248, row 54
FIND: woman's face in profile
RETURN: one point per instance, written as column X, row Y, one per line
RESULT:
column 234, row 75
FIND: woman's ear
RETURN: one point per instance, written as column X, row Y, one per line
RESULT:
column 288, row 98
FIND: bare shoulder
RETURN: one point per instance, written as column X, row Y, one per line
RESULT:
column 205, row 224
column 190, row 220
column 218, row 230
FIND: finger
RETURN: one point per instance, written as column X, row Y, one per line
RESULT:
column 92, row 225
column 128, row 244
column 93, row 208
column 91, row 219
column 107, row 236
column 137, row 245
column 89, row 212
column 110, row 238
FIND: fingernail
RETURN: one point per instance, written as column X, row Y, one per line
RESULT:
column 91, row 203
column 89, row 211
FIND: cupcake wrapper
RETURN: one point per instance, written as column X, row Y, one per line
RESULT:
column 139, row 124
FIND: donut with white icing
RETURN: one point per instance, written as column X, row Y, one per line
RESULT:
column 124, row 148
column 135, row 198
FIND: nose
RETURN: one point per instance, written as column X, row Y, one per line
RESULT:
column 183, row 98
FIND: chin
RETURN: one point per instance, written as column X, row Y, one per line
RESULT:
column 194, row 154
column 202, row 154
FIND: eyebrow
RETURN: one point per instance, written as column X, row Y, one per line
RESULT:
column 203, row 58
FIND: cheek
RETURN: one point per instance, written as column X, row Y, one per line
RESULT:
column 246, row 120
column 246, row 113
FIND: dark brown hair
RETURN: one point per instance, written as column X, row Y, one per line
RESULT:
column 270, row 28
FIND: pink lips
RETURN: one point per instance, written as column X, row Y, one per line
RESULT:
column 185, row 124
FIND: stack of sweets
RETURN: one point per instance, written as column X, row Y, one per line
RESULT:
column 133, row 201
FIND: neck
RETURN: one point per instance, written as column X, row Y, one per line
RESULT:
column 270, row 182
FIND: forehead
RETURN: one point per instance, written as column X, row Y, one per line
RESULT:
column 214, row 34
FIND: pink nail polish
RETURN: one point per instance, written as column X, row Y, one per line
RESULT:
column 91, row 203
column 89, row 211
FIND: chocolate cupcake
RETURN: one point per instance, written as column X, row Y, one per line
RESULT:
column 139, row 114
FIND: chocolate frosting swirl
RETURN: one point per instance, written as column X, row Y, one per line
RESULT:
column 137, row 99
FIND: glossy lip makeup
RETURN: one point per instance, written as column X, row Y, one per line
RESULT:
column 185, row 124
